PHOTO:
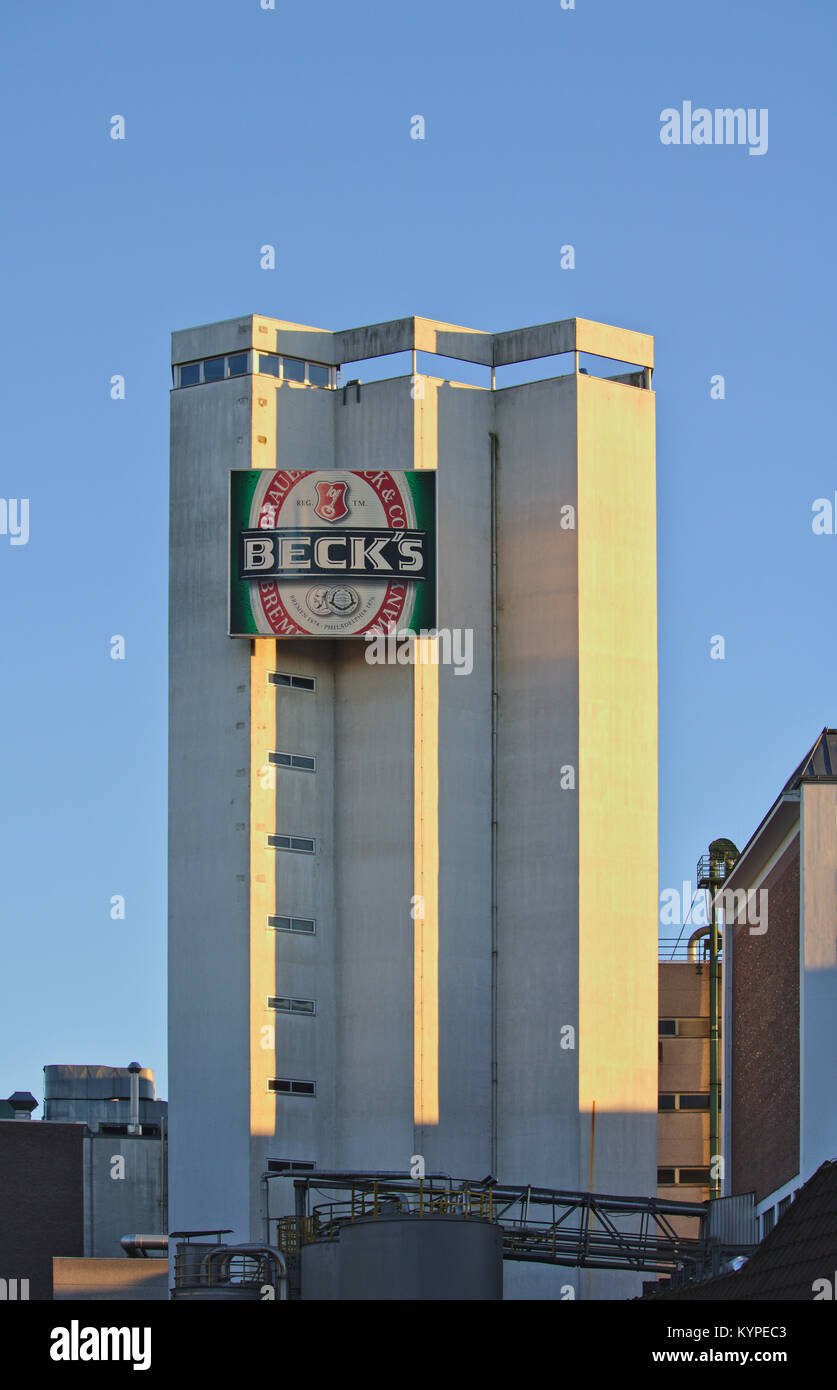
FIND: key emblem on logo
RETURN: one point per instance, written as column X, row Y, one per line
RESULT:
column 331, row 501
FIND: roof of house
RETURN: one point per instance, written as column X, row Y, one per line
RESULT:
column 819, row 763
column 801, row 1248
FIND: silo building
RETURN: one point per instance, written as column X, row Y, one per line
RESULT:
column 412, row 881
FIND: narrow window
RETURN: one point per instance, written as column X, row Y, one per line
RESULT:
column 283, row 1005
column 694, row 1102
column 307, row 926
column 300, row 844
column 302, row 761
column 289, row 1086
column 291, row 682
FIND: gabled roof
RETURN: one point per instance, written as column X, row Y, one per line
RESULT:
column 801, row 1248
column 818, row 765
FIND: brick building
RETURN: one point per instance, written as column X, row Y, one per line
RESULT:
column 41, row 1203
column 780, row 992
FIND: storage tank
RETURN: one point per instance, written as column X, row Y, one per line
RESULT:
column 406, row 1257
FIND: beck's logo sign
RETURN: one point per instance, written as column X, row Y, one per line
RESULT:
column 351, row 554
column 370, row 568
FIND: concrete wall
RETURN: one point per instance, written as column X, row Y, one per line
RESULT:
column 208, row 820
column 373, row 836
column 617, row 796
column 121, row 1198
column 110, row 1280
column 578, row 861
column 684, row 990
column 536, row 427
column 302, row 886
column 457, row 422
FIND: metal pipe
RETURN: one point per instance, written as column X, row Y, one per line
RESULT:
column 591, row 1186
column 89, row 1204
column 137, row 1247
column 164, row 1174
column 695, row 937
column 327, row 1177
column 613, row 1202
column 495, row 712
column 227, row 1253
column 134, row 1124
column 300, row 1203
column 714, row 1071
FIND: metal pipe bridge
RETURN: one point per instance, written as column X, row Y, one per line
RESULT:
column 541, row 1225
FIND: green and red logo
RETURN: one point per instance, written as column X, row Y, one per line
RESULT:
column 331, row 554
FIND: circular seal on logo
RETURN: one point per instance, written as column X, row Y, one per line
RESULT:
column 322, row 601
column 343, row 600
column 308, row 501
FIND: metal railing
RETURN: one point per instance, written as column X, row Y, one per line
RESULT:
column 540, row 1225
column 364, row 1204
column 712, row 869
column 292, row 1232
column 676, row 948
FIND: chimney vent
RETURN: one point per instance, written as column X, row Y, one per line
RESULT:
column 23, row 1103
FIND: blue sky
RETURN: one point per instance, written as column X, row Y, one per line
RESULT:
column 291, row 127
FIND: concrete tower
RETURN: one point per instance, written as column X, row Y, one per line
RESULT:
column 457, row 930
